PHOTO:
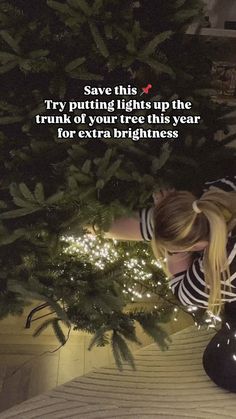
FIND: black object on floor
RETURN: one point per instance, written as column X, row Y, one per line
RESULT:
column 219, row 357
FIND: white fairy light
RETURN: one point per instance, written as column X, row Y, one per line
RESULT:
column 192, row 308
column 156, row 263
column 100, row 253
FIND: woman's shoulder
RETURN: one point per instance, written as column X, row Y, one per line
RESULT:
column 227, row 183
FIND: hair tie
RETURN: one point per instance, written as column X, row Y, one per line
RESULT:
column 195, row 207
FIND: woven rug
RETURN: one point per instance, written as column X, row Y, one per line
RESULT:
column 170, row 384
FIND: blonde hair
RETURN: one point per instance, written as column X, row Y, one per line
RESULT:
column 176, row 224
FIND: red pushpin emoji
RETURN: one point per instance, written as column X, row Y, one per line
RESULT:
column 146, row 89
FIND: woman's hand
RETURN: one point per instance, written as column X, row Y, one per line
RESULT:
column 90, row 229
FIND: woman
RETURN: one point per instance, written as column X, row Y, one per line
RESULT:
column 195, row 237
column 197, row 240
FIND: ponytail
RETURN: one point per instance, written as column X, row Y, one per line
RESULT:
column 219, row 208
column 182, row 221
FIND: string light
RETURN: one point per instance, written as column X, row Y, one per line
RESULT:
column 100, row 253
column 213, row 316
column 90, row 247
column 211, row 320
column 156, row 263
column 192, row 308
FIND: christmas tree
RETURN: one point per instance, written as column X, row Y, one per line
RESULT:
column 52, row 189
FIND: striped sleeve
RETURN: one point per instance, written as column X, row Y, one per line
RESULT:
column 189, row 286
column 146, row 223
column 227, row 184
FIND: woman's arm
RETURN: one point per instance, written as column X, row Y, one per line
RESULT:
column 139, row 227
column 124, row 228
